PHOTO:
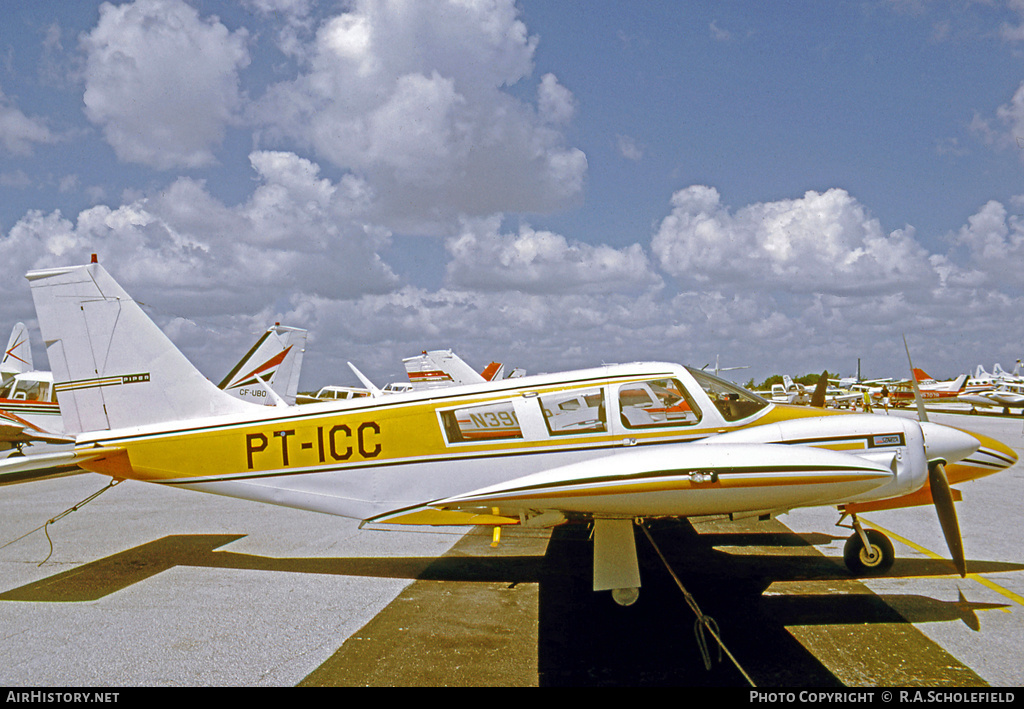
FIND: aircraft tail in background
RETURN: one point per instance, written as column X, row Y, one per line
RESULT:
column 18, row 355
column 274, row 363
column 439, row 368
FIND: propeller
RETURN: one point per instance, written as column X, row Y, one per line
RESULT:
column 943, row 499
column 818, row 397
column 942, row 496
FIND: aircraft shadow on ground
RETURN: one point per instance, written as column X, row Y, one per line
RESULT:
column 584, row 637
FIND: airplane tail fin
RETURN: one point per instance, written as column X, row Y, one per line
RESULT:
column 493, row 372
column 112, row 366
column 18, row 355
column 439, row 368
column 274, row 362
column 921, row 375
column 960, row 383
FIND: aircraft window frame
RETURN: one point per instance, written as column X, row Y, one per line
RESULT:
column 640, row 417
column 733, row 402
column 574, row 406
column 497, row 419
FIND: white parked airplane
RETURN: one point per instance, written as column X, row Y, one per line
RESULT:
column 1005, row 396
column 612, row 458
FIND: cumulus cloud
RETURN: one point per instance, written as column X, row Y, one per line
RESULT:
column 297, row 232
column 824, row 242
column 534, row 261
column 18, row 132
column 993, row 240
column 162, row 82
column 410, row 95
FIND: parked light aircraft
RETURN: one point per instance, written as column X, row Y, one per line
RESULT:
column 333, row 393
column 1005, row 396
column 903, row 393
column 576, row 446
column 427, row 370
column 1014, row 377
column 998, row 376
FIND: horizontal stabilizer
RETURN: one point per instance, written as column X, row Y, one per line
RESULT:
column 14, row 429
column 45, row 466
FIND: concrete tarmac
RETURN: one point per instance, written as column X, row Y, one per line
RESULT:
column 147, row 586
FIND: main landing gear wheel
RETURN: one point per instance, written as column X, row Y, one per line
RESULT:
column 876, row 558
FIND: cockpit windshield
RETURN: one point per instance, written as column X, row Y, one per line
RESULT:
column 732, row 400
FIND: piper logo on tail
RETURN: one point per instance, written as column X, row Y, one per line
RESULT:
column 103, row 382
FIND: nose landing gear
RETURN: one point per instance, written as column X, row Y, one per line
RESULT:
column 868, row 551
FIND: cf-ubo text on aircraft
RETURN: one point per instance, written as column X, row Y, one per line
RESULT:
column 609, row 446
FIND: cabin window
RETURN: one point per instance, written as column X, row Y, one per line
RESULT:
column 29, row 390
column 489, row 422
column 577, row 411
column 657, row 402
column 733, row 401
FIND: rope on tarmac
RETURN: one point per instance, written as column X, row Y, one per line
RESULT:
column 703, row 622
column 62, row 515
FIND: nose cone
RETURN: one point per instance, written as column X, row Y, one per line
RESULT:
column 946, row 444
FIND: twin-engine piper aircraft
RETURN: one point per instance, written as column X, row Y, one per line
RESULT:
column 609, row 446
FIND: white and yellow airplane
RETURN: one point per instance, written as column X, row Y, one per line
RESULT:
column 608, row 446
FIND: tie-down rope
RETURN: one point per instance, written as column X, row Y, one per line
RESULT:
column 703, row 622
column 65, row 513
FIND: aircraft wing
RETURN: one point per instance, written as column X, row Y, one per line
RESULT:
column 44, row 466
column 852, row 396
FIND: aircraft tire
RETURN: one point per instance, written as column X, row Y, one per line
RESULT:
column 860, row 562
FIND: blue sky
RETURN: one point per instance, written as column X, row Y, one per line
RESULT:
column 790, row 186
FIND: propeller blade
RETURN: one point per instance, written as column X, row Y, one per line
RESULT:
column 921, row 414
column 943, row 499
column 818, row 397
